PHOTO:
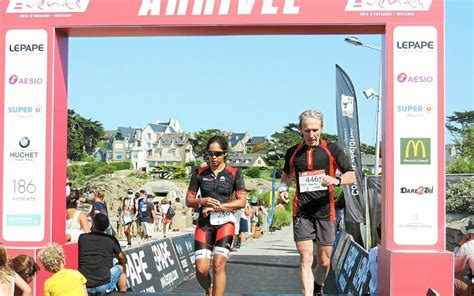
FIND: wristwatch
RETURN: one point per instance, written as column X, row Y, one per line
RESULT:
column 340, row 181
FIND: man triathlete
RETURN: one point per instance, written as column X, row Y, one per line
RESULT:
column 313, row 165
column 218, row 182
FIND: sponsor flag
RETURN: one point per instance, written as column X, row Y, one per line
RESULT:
column 272, row 198
column 348, row 140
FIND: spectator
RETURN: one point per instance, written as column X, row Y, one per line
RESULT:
column 166, row 219
column 68, row 188
column 138, row 213
column 464, row 257
column 25, row 266
column 148, row 218
column 9, row 279
column 373, row 254
column 128, row 215
column 64, row 282
column 96, row 253
column 76, row 221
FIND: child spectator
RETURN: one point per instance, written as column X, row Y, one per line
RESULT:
column 9, row 280
column 67, row 282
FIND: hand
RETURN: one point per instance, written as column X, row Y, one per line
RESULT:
column 328, row 180
column 207, row 211
column 210, row 202
column 283, row 197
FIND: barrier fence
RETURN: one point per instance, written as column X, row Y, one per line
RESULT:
column 350, row 263
column 160, row 266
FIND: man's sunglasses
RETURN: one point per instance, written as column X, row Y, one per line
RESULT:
column 215, row 153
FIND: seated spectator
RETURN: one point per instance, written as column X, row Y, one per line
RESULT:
column 76, row 221
column 373, row 254
column 25, row 266
column 9, row 279
column 463, row 258
column 96, row 253
column 64, row 282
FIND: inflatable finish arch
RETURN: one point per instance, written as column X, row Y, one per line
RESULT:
column 33, row 91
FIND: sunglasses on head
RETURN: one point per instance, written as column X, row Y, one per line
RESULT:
column 215, row 153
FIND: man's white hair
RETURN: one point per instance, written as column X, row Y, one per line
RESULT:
column 312, row 113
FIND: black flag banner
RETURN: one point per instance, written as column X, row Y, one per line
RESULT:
column 348, row 139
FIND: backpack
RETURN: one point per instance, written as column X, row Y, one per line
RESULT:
column 170, row 212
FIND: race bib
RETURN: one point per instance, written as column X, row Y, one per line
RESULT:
column 219, row 218
column 311, row 181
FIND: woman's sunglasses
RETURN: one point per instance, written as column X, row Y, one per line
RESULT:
column 215, row 153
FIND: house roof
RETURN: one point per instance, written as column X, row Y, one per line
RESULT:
column 256, row 140
column 127, row 132
column 158, row 128
column 166, row 139
column 234, row 138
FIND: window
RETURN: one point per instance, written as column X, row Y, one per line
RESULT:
column 119, row 156
column 148, row 136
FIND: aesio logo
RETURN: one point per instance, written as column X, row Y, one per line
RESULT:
column 14, row 79
column 404, row 77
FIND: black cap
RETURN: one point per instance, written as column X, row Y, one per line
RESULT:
column 149, row 196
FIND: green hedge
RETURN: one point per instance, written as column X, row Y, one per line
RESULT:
column 281, row 218
column 460, row 197
column 79, row 174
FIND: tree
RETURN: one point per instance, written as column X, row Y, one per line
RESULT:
column 83, row 135
column 202, row 137
column 460, row 125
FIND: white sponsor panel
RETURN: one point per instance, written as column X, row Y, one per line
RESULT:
column 47, row 6
column 388, row 5
column 415, row 136
column 24, row 135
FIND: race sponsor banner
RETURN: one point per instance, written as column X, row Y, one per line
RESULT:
column 349, row 141
column 184, row 247
column 338, row 244
column 154, row 267
column 352, row 279
column 415, row 200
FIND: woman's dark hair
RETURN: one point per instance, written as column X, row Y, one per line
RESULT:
column 71, row 202
column 25, row 266
column 219, row 140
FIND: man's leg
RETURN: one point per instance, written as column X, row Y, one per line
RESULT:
column 322, row 268
column 305, row 248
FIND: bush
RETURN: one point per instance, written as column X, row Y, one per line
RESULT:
column 461, row 165
column 123, row 165
column 460, row 197
column 252, row 172
column 281, row 218
column 171, row 171
column 90, row 168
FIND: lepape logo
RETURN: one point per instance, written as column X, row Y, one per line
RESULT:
column 388, row 5
column 415, row 45
column 47, row 6
column 26, row 48
column 420, row 190
column 214, row 7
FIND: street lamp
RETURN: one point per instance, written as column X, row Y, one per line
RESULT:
column 371, row 93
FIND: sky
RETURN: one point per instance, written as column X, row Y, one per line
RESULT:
column 254, row 84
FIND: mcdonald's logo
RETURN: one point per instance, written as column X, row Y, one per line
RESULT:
column 415, row 151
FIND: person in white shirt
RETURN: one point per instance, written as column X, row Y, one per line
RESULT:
column 464, row 257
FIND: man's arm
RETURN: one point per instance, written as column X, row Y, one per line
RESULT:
column 122, row 258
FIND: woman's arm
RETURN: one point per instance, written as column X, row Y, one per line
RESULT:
column 22, row 285
column 84, row 223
